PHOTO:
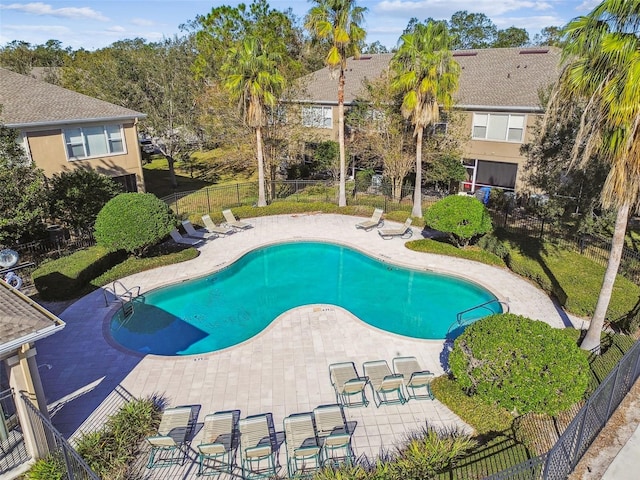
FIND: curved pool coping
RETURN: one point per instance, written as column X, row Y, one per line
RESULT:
column 106, row 327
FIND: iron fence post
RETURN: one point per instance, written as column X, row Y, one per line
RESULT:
column 208, row 202
column 175, row 199
column 238, row 193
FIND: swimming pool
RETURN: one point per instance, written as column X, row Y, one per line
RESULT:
column 230, row 306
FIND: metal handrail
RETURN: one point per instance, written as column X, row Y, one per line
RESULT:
column 459, row 322
column 127, row 295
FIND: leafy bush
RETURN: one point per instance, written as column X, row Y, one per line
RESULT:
column 51, row 467
column 492, row 244
column 68, row 276
column 522, row 364
column 110, row 450
column 76, row 197
column 133, row 222
column 462, row 217
column 428, row 453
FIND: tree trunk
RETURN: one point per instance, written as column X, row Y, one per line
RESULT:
column 417, row 192
column 172, row 171
column 342, row 198
column 592, row 338
column 262, row 202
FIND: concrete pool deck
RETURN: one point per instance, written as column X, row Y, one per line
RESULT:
column 284, row 369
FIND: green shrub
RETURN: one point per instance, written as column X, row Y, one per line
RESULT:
column 462, row 217
column 522, row 364
column 51, row 467
column 484, row 417
column 428, row 453
column 494, row 245
column 133, row 222
column 76, row 197
column 110, row 450
column 68, row 276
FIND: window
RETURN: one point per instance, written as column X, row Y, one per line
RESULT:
column 128, row 182
column 502, row 127
column 318, row 117
column 86, row 142
column 485, row 173
column 439, row 128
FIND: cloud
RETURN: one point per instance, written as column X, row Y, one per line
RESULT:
column 588, row 5
column 443, row 9
column 39, row 8
column 142, row 22
column 116, row 29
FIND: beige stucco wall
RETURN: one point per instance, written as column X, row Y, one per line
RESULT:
column 48, row 152
column 508, row 152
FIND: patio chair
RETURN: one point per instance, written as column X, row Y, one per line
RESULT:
column 217, row 449
column 232, row 221
column 414, row 378
column 384, row 383
column 303, row 450
column 348, row 385
column 175, row 235
column 211, row 227
column 257, row 446
column 333, row 435
column 193, row 233
column 169, row 445
column 375, row 221
column 404, row 231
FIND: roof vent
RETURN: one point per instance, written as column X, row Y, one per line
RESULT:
column 465, row 54
column 364, row 57
column 534, row 51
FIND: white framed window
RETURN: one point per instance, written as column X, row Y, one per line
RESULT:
column 501, row 127
column 318, row 117
column 96, row 141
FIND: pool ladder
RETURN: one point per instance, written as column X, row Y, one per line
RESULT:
column 125, row 296
column 461, row 322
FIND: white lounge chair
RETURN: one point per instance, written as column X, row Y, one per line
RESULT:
column 175, row 235
column 169, row 445
column 375, row 221
column 414, row 377
column 404, row 231
column 211, row 227
column 384, row 383
column 232, row 221
column 193, row 233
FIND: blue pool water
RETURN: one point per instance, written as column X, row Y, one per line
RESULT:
column 234, row 304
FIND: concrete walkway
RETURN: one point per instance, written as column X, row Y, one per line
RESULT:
column 282, row 370
column 626, row 464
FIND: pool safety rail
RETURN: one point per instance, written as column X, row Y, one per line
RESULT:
column 462, row 318
column 119, row 293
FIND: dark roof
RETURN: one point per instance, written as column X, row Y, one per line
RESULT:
column 27, row 101
column 22, row 320
column 492, row 77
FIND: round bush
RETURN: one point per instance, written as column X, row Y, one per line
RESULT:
column 462, row 217
column 133, row 222
column 522, row 364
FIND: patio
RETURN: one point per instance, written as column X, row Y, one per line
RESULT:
column 284, row 369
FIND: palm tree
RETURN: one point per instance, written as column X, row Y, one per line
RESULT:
column 338, row 21
column 427, row 76
column 603, row 54
column 250, row 74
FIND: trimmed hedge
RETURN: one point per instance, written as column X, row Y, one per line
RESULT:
column 134, row 222
column 462, row 217
column 66, row 277
column 522, row 364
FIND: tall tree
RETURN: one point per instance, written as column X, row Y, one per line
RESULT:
column 603, row 51
column 250, row 73
column 340, row 22
column 511, row 37
column 471, row 30
column 427, row 75
column 22, row 191
column 551, row 36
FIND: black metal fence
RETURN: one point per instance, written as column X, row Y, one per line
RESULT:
column 563, row 457
column 45, row 433
column 13, row 452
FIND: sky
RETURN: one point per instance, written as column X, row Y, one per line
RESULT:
column 92, row 24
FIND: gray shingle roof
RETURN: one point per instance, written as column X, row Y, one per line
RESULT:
column 27, row 101
column 21, row 320
column 493, row 77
